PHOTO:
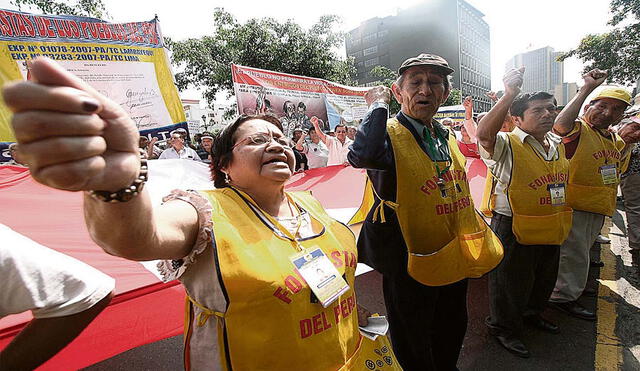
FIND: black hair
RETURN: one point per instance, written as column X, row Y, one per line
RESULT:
column 521, row 103
column 223, row 146
column 301, row 104
column 284, row 105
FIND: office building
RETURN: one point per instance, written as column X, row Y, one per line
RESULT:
column 452, row 29
column 543, row 70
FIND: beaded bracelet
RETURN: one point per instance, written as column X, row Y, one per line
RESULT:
column 127, row 193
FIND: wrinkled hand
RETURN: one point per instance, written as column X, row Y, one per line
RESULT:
column 379, row 93
column 513, row 80
column 73, row 137
column 594, row 78
column 492, row 95
column 363, row 316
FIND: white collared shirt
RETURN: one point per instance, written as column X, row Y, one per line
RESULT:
column 501, row 163
column 186, row 153
column 337, row 150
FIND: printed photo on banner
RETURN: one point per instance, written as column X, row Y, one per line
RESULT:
column 295, row 99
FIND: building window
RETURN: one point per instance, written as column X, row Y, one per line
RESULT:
column 369, row 38
column 355, row 42
column 382, row 33
column 371, row 50
column 371, row 62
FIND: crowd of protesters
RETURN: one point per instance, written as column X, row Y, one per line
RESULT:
column 553, row 176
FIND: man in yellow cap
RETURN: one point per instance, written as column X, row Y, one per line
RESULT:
column 597, row 157
column 423, row 233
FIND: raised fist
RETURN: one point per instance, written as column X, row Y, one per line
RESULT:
column 73, row 137
column 467, row 103
column 378, row 93
column 594, row 78
column 513, row 80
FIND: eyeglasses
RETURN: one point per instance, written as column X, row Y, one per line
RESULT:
column 261, row 139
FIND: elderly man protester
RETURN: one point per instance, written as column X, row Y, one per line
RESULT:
column 206, row 144
column 420, row 231
column 178, row 150
column 597, row 157
column 316, row 152
column 338, row 146
column 530, row 216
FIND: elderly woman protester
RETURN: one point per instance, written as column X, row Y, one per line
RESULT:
column 247, row 253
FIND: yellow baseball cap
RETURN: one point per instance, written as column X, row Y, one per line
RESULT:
column 615, row 93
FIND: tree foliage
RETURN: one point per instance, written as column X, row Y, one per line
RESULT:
column 617, row 50
column 261, row 43
column 88, row 8
column 455, row 98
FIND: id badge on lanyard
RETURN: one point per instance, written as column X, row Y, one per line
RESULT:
column 609, row 174
column 320, row 274
column 557, row 193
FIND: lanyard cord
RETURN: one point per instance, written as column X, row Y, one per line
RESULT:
column 433, row 150
column 283, row 230
column 553, row 161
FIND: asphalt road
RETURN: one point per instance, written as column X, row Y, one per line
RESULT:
column 611, row 343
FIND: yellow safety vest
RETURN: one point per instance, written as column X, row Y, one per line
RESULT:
column 446, row 239
column 586, row 190
column 270, row 322
column 535, row 220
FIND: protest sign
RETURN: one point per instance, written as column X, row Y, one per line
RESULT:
column 455, row 113
column 294, row 99
column 126, row 62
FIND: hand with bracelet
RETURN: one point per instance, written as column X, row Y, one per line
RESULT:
column 72, row 137
column 76, row 139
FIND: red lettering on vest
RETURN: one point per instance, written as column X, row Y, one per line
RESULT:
column 545, row 200
column 325, row 323
column 293, row 284
column 336, row 313
column 305, row 328
column 353, row 262
column 547, row 179
column 335, row 257
column 453, row 207
column 317, row 324
column 282, row 295
column 607, row 154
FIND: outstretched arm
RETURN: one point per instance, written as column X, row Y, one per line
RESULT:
column 76, row 139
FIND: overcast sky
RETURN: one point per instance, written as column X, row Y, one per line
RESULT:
column 515, row 25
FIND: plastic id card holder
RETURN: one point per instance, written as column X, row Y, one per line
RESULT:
column 557, row 193
column 320, row 274
column 609, row 174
